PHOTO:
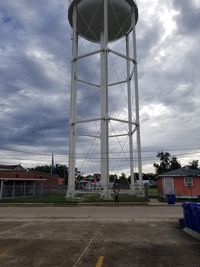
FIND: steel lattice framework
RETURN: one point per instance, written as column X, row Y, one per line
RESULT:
column 131, row 82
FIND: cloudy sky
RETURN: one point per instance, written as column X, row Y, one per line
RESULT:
column 35, row 54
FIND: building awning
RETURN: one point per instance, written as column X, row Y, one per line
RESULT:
column 22, row 179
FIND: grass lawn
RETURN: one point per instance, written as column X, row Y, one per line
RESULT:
column 152, row 191
column 47, row 198
column 60, row 199
column 122, row 198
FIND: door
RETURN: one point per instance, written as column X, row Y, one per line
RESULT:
column 169, row 185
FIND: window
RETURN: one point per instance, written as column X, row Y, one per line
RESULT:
column 188, row 181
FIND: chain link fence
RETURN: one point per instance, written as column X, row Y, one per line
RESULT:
column 37, row 189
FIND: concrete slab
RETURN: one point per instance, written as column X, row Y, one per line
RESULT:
column 124, row 236
column 121, row 244
column 192, row 233
column 90, row 213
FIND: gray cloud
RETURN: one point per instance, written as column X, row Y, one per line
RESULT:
column 35, row 51
column 33, row 55
column 188, row 18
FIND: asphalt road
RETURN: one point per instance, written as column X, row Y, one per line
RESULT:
column 118, row 213
column 95, row 236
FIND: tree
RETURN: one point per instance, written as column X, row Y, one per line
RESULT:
column 59, row 169
column 97, row 176
column 113, row 177
column 122, row 179
column 164, row 162
column 174, row 164
column 122, row 176
column 43, row 168
column 167, row 163
column 194, row 165
column 62, row 171
column 149, row 176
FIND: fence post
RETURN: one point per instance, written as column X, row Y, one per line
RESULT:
column 24, row 193
column 1, row 190
column 13, row 192
column 34, row 188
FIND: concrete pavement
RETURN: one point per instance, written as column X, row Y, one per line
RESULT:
column 118, row 213
column 143, row 236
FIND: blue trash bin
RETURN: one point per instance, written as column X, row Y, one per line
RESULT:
column 187, row 214
column 182, row 223
column 192, row 215
column 198, row 217
column 171, row 199
column 194, row 208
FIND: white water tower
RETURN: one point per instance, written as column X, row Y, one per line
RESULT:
column 103, row 22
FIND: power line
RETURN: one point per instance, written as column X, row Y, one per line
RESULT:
column 111, row 152
column 122, row 158
column 24, row 152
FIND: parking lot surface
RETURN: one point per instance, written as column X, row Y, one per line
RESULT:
column 106, row 236
column 104, row 213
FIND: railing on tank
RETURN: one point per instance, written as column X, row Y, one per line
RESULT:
column 70, row 1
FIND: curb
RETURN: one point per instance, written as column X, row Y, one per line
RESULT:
column 96, row 204
column 192, row 233
column 103, row 204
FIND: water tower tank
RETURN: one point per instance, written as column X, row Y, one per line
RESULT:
column 90, row 18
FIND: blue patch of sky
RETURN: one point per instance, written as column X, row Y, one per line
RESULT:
column 5, row 18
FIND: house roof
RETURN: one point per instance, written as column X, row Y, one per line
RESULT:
column 181, row 172
column 11, row 167
column 6, row 174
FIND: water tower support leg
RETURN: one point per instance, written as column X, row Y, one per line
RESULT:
column 72, row 145
column 1, row 190
column 130, row 114
column 137, row 105
column 104, row 105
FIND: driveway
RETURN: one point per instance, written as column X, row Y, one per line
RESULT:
column 95, row 236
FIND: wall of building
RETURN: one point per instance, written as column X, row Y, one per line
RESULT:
column 160, row 186
column 51, row 180
column 182, row 190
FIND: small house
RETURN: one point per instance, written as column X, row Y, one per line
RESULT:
column 15, row 181
column 183, row 182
